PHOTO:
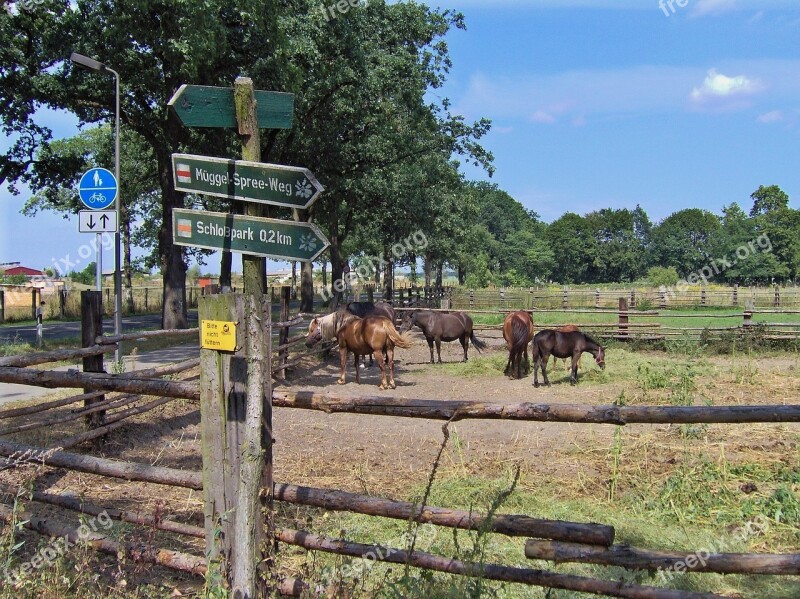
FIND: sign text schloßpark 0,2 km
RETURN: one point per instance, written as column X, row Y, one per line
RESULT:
column 269, row 237
column 273, row 184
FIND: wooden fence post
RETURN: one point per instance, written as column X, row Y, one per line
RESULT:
column 2, row 306
column 236, row 423
column 91, row 328
column 703, row 296
column 370, row 294
column 62, row 303
column 623, row 318
column 596, row 298
column 736, row 294
column 471, row 298
column 34, row 303
column 633, row 298
column 283, row 336
column 565, row 298
column 145, row 299
column 663, row 302
column 777, row 302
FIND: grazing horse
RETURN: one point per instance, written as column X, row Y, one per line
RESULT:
column 371, row 335
column 567, row 328
column 438, row 327
column 563, row 345
column 517, row 331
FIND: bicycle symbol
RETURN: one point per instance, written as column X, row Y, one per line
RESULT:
column 97, row 198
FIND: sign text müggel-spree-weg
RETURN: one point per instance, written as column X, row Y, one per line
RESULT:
column 277, row 185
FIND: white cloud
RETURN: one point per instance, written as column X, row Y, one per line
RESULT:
column 717, row 86
column 581, row 96
column 773, row 116
column 713, row 7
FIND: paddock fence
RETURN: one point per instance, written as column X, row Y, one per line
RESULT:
column 110, row 400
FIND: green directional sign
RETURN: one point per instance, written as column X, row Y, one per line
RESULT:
column 273, row 184
column 208, row 106
column 268, row 237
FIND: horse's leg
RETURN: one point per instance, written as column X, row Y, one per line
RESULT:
column 343, row 356
column 527, row 360
column 465, row 344
column 379, row 358
column 439, row 349
column 430, row 346
column 573, row 375
column 545, row 358
column 390, row 356
column 358, row 361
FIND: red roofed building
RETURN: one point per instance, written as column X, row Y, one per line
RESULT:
column 23, row 270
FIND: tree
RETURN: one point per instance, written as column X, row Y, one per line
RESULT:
column 575, row 247
column 681, row 240
column 768, row 199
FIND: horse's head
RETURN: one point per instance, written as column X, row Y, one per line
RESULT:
column 314, row 333
column 408, row 321
column 600, row 358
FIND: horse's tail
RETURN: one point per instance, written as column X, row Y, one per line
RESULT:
column 401, row 341
column 520, row 335
column 479, row 345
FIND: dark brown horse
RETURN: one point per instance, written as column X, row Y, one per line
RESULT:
column 517, row 331
column 373, row 335
column 548, row 343
column 567, row 328
column 439, row 326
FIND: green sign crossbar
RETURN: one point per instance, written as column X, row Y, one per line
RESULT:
column 268, row 237
column 209, row 106
column 273, row 184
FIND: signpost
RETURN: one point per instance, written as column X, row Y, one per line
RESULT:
column 206, row 106
column 254, row 236
column 273, row 184
column 98, row 190
column 97, row 221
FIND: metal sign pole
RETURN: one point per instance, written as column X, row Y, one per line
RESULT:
column 98, row 263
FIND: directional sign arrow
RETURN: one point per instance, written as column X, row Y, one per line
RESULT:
column 104, row 219
column 91, row 223
column 207, row 106
column 274, row 184
column 268, row 237
column 97, row 221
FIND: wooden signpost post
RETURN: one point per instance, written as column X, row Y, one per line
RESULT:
column 236, row 331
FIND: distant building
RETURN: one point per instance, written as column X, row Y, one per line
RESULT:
column 23, row 270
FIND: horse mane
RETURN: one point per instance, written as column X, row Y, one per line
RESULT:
column 590, row 340
column 332, row 323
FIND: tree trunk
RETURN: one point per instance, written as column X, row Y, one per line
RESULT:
column 462, row 274
column 225, row 265
column 171, row 256
column 439, row 273
column 324, row 273
column 388, row 279
column 127, row 271
column 427, row 267
column 307, row 288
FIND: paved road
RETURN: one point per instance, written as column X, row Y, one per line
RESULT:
column 63, row 330
column 151, row 359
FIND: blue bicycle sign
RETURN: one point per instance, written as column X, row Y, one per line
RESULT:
column 98, row 188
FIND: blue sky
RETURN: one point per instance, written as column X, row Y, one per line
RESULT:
column 595, row 104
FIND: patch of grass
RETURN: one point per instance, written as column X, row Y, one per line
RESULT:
column 491, row 365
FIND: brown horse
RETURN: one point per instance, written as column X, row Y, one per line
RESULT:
column 563, row 345
column 438, row 327
column 517, row 331
column 364, row 309
column 567, row 328
column 371, row 335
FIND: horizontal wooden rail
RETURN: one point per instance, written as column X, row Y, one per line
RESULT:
column 99, row 381
column 629, row 557
column 507, row 524
column 56, row 355
column 578, row 413
column 101, row 542
column 428, row 561
column 48, row 405
column 104, row 340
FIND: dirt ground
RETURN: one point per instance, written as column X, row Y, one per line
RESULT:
column 380, row 455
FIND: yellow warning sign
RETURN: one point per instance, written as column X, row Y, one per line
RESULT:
column 218, row 334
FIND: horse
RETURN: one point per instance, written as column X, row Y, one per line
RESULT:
column 438, row 327
column 517, row 331
column 364, row 309
column 567, row 328
column 563, row 345
column 371, row 335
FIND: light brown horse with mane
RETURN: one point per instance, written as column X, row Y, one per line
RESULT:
column 518, row 332
column 373, row 335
